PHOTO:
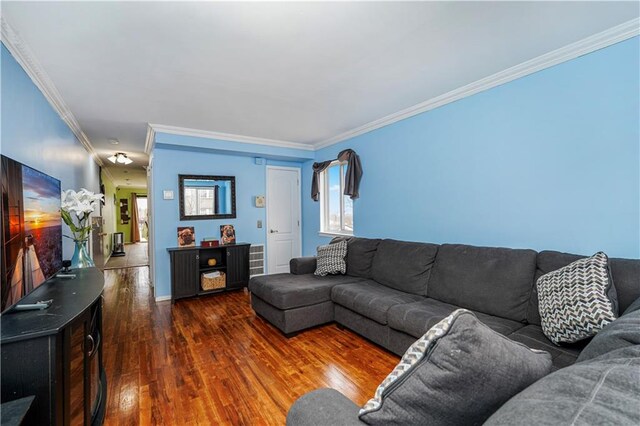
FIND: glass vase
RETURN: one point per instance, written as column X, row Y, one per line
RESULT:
column 81, row 258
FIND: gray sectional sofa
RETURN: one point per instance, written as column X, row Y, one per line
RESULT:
column 394, row 291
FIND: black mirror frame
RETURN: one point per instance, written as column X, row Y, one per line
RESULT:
column 181, row 179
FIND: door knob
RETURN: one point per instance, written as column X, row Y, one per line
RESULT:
column 273, row 231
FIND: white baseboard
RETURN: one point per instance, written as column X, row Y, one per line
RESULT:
column 163, row 298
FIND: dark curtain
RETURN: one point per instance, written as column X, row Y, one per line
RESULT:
column 315, row 182
column 216, row 199
column 354, row 173
column 352, row 178
column 135, row 231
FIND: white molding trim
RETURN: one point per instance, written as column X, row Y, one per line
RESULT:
column 109, row 175
column 23, row 55
column 27, row 60
column 163, row 298
column 150, row 140
column 184, row 131
column 587, row 45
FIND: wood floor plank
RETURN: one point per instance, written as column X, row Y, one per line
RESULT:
column 213, row 361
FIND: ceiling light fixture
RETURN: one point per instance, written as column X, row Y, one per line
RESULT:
column 114, row 141
column 120, row 158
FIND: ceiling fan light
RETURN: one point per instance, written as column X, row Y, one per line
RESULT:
column 127, row 160
column 113, row 159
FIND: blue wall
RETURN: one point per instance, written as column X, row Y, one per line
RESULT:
column 548, row 161
column 168, row 163
column 34, row 134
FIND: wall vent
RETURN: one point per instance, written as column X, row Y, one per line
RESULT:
column 256, row 260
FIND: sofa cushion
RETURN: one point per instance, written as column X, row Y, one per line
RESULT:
column 623, row 332
column 370, row 299
column 286, row 291
column 635, row 306
column 360, row 254
column 495, row 281
column 323, row 407
column 602, row 391
column 418, row 317
column 578, row 300
column 331, row 259
column 562, row 356
column 404, row 266
column 626, row 277
column 625, row 274
column 459, row 372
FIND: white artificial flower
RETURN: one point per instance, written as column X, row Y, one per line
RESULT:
column 81, row 203
column 84, row 196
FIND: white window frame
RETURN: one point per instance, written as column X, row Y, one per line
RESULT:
column 324, row 205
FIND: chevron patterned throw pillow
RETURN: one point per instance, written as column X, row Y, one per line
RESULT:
column 577, row 301
column 330, row 259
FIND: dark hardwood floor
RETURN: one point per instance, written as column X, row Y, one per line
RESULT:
column 212, row 361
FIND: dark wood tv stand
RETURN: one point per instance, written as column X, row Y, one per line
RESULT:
column 55, row 354
column 188, row 263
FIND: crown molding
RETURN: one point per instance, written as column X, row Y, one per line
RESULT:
column 23, row 55
column 183, row 131
column 27, row 60
column 587, row 45
column 108, row 174
column 150, row 140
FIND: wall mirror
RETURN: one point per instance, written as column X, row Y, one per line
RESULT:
column 207, row 197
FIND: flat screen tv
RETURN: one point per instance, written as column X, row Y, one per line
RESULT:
column 31, row 230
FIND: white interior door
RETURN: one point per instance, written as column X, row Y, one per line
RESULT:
column 283, row 217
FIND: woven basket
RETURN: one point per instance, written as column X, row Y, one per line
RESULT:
column 213, row 283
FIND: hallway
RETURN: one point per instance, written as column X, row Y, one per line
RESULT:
column 137, row 254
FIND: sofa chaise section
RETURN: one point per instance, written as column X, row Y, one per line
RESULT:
column 295, row 302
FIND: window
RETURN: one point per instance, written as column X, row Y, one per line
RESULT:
column 336, row 209
column 199, row 201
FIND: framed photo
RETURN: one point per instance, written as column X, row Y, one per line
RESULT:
column 186, row 236
column 227, row 234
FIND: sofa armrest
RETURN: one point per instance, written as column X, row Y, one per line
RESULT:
column 302, row 265
column 323, row 407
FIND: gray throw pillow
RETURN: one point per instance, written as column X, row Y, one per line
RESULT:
column 601, row 391
column 635, row 306
column 577, row 301
column 623, row 332
column 330, row 259
column 459, row 372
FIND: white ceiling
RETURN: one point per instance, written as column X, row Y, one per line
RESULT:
column 299, row 72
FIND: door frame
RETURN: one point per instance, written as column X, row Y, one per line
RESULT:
column 266, row 214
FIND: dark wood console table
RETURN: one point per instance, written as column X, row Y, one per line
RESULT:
column 55, row 354
column 189, row 263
